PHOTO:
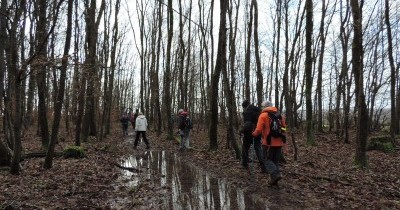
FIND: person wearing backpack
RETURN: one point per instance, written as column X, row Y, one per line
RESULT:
column 133, row 117
column 184, row 128
column 125, row 123
column 271, row 125
column 140, row 128
column 188, row 127
column 250, row 117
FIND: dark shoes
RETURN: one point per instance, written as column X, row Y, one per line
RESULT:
column 275, row 179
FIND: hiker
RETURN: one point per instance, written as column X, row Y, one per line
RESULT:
column 125, row 123
column 188, row 126
column 133, row 117
column 140, row 128
column 250, row 117
column 183, row 129
column 273, row 138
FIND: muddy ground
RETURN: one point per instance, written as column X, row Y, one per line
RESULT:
column 323, row 177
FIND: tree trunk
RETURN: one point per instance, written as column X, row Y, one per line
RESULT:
column 167, row 75
column 394, row 127
column 91, row 68
column 48, row 163
column 220, row 65
column 308, row 72
column 257, row 55
column 320, row 65
column 247, row 56
column 15, row 85
column 357, row 64
column 39, row 67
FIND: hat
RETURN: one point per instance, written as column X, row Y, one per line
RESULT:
column 140, row 113
column 245, row 103
column 180, row 111
column 266, row 104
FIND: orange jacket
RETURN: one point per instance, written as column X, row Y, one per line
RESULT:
column 263, row 127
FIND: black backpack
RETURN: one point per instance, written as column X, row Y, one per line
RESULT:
column 275, row 129
column 188, row 123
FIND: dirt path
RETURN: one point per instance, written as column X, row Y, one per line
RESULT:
column 323, row 177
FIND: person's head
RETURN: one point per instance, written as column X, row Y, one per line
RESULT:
column 245, row 103
column 180, row 111
column 140, row 113
column 266, row 104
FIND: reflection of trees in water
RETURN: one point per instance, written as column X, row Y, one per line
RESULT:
column 191, row 188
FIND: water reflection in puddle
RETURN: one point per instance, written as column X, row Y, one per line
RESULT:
column 190, row 187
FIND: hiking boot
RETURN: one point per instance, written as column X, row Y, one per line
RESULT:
column 274, row 179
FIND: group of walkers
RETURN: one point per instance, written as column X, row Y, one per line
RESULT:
column 264, row 128
column 139, row 125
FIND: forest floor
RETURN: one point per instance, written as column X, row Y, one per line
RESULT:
column 323, row 176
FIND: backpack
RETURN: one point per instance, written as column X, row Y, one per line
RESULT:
column 275, row 129
column 188, row 123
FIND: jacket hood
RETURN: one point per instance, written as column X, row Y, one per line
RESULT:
column 270, row 109
column 141, row 116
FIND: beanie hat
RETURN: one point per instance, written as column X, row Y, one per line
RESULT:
column 180, row 111
column 266, row 104
column 245, row 103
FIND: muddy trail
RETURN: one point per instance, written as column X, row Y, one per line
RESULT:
column 115, row 176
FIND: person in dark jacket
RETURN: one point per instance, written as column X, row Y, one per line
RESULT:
column 125, row 123
column 250, row 118
column 183, row 129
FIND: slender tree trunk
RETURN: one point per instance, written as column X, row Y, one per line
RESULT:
column 247, row 56
column 16, row 76
column 48, row 163
column 39, row 67
column 91, row 68
column 257, row 55
column 167, row 75
column 220, row 66
column 357, row 64
column 320, row 65
column 394, row 127
column 308, row 72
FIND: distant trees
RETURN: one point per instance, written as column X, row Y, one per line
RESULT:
column 82, row 62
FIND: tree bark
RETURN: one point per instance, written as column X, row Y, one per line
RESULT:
column 220, row 65
column 167, row 75
column 357, row 64
column 48, row 163
column 308, row 72
column 394, row 127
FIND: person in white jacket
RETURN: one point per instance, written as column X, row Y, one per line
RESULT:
column 140, row 128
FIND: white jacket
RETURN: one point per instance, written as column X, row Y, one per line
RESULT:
column 141, row 123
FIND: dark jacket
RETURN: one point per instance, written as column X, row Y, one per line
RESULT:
column 250, row 117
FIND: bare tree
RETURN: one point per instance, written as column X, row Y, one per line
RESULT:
column 308, row 72
column 167, row 74
column 91, row 67
column 48, row 163
column 220, row 65
column 357, row 66
column 394, row 127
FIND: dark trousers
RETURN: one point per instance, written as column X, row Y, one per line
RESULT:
column 143, row 133
column 272, row 155
column 247, row 142
column 125, row 128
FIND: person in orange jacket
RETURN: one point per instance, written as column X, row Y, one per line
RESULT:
column 273, row 147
